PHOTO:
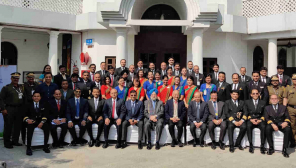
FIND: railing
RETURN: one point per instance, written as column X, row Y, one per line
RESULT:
column 73, row 7
column 256, row 8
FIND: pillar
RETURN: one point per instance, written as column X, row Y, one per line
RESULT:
column 197, row 48
column 121, row 45
column 0, row 41
column 272, row 57
column 53, row 51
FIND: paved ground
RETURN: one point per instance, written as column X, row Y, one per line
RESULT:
column 131, row 157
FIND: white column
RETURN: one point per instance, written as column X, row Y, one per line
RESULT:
column 197, row 53
column 0, row 41
column 121, row 44
column 53, row 51
column 272, row 57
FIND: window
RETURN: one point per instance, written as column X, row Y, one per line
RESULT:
column 110, row 61
column 258, row 59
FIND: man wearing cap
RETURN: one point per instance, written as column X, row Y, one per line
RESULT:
column 30, row 86
column 61, row 76
column 284, row 80
column 274, row 88
column 290, row 102
column 13, row 99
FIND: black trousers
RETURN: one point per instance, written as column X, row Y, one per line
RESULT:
column 251, row 126
column 286, row 131
column 30, row 131
column 126, row 124
column 100, row 128
column 150, row 125
column 203, row 130
column 179, row 125
column 212, row 126
column 54, row 133
column 107, row 128
column 242, row 132
column 73, row 131
column 12, row 125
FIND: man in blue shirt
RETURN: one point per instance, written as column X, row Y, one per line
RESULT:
column 47, row 88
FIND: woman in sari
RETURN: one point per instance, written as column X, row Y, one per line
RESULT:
column 157, row 82
column 47, row 68
column 148, row 85
column 178, row 87
column 183, row 78
column 141, row 77
column 165, row 90
column 190, row 89
column 121, row 89
column 171, row 78
column 207, row 88
column 106, row 88
column 140, row 90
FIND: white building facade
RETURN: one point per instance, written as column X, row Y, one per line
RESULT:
column 232, row 33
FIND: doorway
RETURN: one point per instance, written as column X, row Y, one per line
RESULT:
column 8, row 54
column 258, row 59
column 208, row 64
column 110, row 61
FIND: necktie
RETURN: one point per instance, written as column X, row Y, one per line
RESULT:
column 96, row 104
column 36, row 107
column 58, row 104
column 175, row 109
column 133, row 108
column 243, row 78
column 197, row 114
column 235, row 103
column 103, row 72
column 74, row 86
column 111, row 80
column 256, row 104
column 216, row 76
column 281, row 79
column 65, row 95
column 153, row 103
column 190, row 72
column 113, row 109
column 216, row 111
column 77, row 108
column 275, row 109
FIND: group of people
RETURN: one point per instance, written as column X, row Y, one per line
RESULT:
column 149, row 99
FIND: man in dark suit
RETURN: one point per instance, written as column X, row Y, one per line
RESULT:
column 163, row 69
column 74, row 81
column 222, row 86
column 124, row 75
column 152, row 68
column 92, row 69
column 97, row 82
column 177, row 71
column 236, row 119
column 217, row 118
column 95, row 116
column 278, row 119
column 114, row 113
column 58, row 118
column 171, row 63
column 254, row 109
column 140, row 66
column 245, row 79
column 284, row 80
column 76, row 113
column 131, row 74
column 85, row 86
column 175, row 112
column 198, row 77
column 198, row 113
column 263, row 76
column 134, row 116
column 121, row 68
column 190, row 71
column 240, row 87
column 66, row 92
column 215, row 74
column 75, row 71
column 154, row 118
column 260, row 86
column 61, row 76
column 111, row 74
column 36, row 116
column 103, row 72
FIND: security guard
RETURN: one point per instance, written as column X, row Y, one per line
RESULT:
column 30, row 86
column 13, row 98
column 274, row 88
column 290, row 102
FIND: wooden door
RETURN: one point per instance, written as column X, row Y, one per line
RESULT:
column 208, row 64
column 110, row 61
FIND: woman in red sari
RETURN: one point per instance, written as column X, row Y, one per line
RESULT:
column 190, row 89
column 171, row 78
column 106, row 88
column 141, row 77
column 165, row 90
column 140, row 90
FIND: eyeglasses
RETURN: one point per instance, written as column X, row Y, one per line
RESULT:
column 255, row 93
column 133, row 95
column 78, row 91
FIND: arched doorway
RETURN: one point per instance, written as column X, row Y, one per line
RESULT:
column 258, row 58
column 282, row 58
column 8, row 54
column 158, row 43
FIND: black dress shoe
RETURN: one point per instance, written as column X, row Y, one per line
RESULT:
column 73, row 143
column 118, row 145
column 231, row 149
column 140, row 146
column 60, row 145
column 221, row 145
column 149, row 146
column 270, row 151
column 262, row 150
column 105, row 145
column 194, row 143
column 123, row 145
column 251, row 149
column 173, row 143
column 157, row 146
column 8, row 146
column 292, row 145
column 213, row 146
column 98, row 143
column 17, row 144
column 181, row 144
column 202, row 144
column 29, row 152
column 82, row 141
column 284, row 152
column 239, row 147
column 46, row 150
column 91, row 143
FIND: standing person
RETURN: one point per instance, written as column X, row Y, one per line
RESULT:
column 97, row 82
column 140, row 67
column 190, row 90
column 95, row 116
column 12, row 96
column 131, row 74
column 157, row 82
column 177, row 71
column 85, row 85
column 207, row 88
column 46, row 69
column 198, row 112
column 57, row 117
column 124, row 75
column 284, row 80
column 260, row 86
column 30, row 87
column 148, row 85
column 134, row 116
column 215, row 74
column 198, row 77
column 243, row 78
column 263, row 76
column 274, row 88
column 183, row 77
column 152, row 68
column 236, row 118
column 47, row 88
column 139, row 90
column 74, row 81
column 278, row 119
column 114, row 113
column 61, row 76
column 121, row 68
column 164, row 91
column 175, row 112
column 92, row 68
column 217, row 118
column 179, row 88
column 239, row 86
column 163, row 69
column 36, row 116
column 103, row 72
column 141, row 77
column 106, row 88
column 76, row 113
column 122, row 91
column 66, row 92
column 111, row 76
column 154, row 118
column 190, row 70
column 171, row 78
column 75, row 71
column 171, row 64
column 222, row 86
